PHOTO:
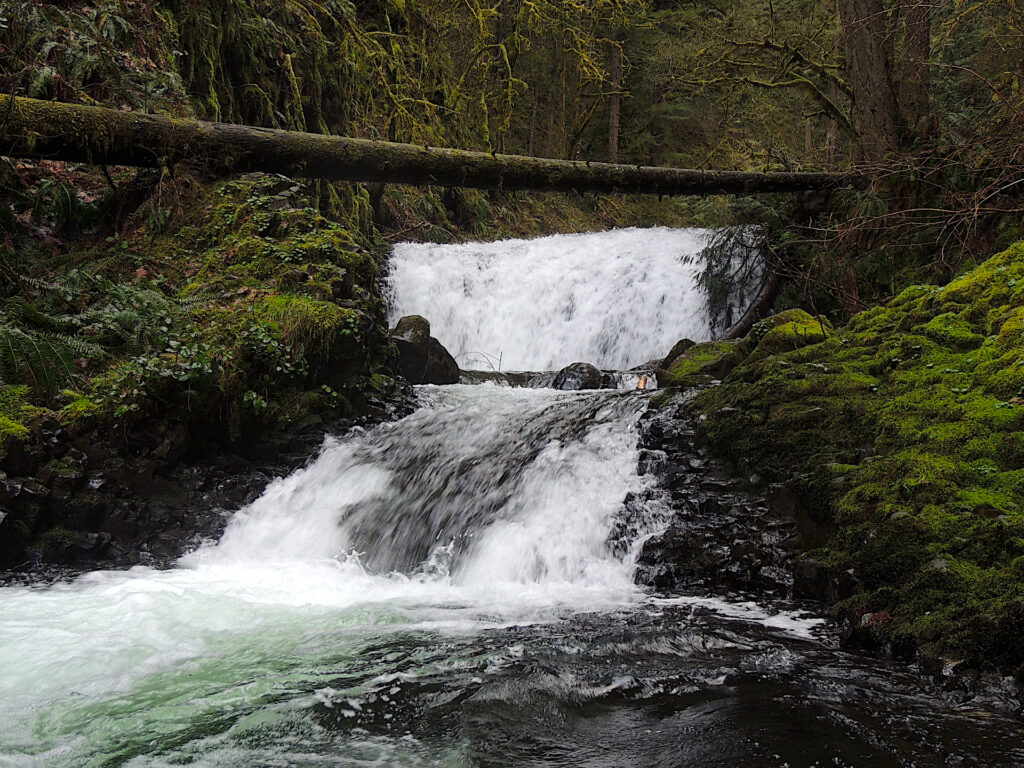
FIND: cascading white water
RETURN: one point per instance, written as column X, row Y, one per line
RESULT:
column 485, row 486
column 487, row 506
column 398, row 555
column 613, row 299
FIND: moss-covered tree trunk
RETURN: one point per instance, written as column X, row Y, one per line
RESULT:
column 41, row 129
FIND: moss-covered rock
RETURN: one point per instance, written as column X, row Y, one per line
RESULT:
column 905, row 432
column 786, row 331
column 701, row 363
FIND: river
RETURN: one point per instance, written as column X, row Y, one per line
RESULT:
column 452, row 589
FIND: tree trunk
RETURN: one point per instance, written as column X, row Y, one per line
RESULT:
column 869, row 64
column 832, row 136
column 914, row 75
column 533, row 122
column 50, row 130
column 615, row 105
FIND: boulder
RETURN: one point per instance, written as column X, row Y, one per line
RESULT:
column 700, row 364
column 581, row 376
column 677, row 349
column 422, row 359
column 785, row 332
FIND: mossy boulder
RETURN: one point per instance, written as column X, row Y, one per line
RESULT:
column 903, row 432
column 677, row 349
column 786, row 331
column 701, row 363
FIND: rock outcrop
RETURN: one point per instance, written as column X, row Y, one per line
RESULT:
column 581, row 376
column 422, row 359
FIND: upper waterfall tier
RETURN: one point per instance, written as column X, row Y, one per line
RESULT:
column 613, row 299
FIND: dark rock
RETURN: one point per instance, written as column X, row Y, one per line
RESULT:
column 581, row 376
column 649, row 367
column 341, row 286
column 718, row 537
column 23, row 456
column 422, row 359
column 441, row 366
column 810, row 580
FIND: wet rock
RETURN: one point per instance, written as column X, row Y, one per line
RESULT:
column 422, row 359
column 717, row 537
column 581, row 376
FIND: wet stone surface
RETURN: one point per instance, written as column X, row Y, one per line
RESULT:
column 718, row 537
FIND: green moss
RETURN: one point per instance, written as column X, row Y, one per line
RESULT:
column 921, row 400
column 787, row 331
column 312, row 324
column 79, row 409
column 952, row 331
column 16, row 412
column 700, row 363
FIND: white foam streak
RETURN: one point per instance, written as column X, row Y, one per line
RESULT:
column 613, row 299
column 558, row 527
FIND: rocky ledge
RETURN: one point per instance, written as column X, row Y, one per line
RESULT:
column 72, row 502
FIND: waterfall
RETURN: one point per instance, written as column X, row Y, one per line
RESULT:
column 613, row 299
column 484, row 485
column 456, row 588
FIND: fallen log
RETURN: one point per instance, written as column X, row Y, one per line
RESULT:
column 30, row 128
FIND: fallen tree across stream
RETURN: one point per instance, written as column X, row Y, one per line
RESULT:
column 30, row 128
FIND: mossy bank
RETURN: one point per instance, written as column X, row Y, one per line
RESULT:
column 899, row 442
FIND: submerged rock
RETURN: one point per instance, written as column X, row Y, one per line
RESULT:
column 422, row 359
column 582, row 376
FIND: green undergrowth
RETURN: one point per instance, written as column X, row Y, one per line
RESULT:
column 16, row 413
column 245, row 308
column 903, row 433
column 231, row 306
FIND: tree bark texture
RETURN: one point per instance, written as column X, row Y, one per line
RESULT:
column 30, row 128
column 615, row 105
column 915, row 76
column 869, row 63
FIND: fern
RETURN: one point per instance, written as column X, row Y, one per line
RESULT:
column 42, row 359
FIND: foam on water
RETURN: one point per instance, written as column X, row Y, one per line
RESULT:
column 613, row 299
column 489, row 507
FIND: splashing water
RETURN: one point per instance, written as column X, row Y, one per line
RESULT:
column 449, row 590
column 613, row 299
